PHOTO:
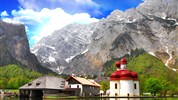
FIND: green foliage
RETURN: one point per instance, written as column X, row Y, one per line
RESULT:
column 153, row 85
column 104, row 86
column 147, row 66
column 14, row 76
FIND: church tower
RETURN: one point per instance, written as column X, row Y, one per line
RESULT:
column 124, row 82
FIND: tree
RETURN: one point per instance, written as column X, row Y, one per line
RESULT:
column 166, row 86
column 153, row 85
column 104, row 86
column 2, row 83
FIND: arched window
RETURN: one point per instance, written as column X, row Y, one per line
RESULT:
column 135, row 86
column 115, row 85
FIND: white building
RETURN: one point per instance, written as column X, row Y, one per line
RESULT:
column 124, row 82
column 87, row 87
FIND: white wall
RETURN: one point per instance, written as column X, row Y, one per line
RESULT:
column 127, row 87
column 112, row 90
column 137, row 90
column 75, row 86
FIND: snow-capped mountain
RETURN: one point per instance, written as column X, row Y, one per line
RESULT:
column 83, row 49
column 57, row 50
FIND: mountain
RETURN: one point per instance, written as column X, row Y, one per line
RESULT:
column 152, row 26
column 14, row 47
column 56, row 51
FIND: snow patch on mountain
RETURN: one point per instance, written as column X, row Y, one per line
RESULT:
column 84, row 51
column 151, row 53
column 69, row 59
column 170, row 56
column 51, row 59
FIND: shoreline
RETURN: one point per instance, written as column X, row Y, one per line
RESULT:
column 76, row 97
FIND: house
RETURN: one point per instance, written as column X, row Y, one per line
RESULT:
column 43, row 85
column 88, row 87
column 72, row 86
column 124, row 82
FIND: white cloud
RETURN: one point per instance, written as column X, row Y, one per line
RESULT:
column 86, row 2
column 72, row 7
column 39, row 4
column 4, row 14
column 49, row 20
column 12, row 21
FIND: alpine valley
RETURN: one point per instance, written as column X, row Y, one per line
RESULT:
column 92, row 49
column 84, row 49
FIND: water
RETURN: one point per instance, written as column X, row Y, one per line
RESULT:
column 16, row 98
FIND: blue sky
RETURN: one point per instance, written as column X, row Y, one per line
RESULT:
column 42, row 17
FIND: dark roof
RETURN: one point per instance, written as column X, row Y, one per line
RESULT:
column 46, row 82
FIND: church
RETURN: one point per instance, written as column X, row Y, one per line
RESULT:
column 124, row 82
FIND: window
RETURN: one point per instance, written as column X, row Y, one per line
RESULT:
column 38, row 83
column 29, row 84
column 77, row 86
column 116, row 94
column 135, row 86
column 115, row 85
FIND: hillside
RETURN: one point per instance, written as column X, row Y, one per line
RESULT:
column 147, row 66
column 14, row 76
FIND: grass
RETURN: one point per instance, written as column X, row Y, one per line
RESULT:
column 11, row 90
column 62, row 97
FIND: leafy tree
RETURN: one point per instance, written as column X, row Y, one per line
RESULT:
column 166, row 86
column 153, row 85
column 104, row 86
column 14, row 76
column 2, row 83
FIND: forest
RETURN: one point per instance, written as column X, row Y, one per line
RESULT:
column 13, row 76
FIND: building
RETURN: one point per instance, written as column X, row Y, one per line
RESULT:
column 43, row 85
column 87, row 87
column 72, row 86
column 124, row 82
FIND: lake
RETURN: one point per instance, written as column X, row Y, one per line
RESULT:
column 15, row 98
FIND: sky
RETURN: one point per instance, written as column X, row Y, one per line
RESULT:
column 42, row 17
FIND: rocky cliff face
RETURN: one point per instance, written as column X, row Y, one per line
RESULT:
column 121, row 32
column 57, row 50
column 152, row 26
column 14, row 47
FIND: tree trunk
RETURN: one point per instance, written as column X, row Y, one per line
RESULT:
column 154, row 93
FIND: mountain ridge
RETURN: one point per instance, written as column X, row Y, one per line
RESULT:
column 153, row 30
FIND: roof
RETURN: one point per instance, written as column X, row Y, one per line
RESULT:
column 124, row 75
column 121, row 74
column 122, row 61
column 46, row 82
column 84, row 81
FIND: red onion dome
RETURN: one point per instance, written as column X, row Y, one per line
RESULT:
column 126, row 75
column 115, row 75
column 134, row 75
column 117, row 64
column 123, row 61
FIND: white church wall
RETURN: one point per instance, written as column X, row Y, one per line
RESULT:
column 114, row 91
column 136, row 88
column 127, row 88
